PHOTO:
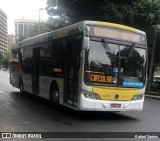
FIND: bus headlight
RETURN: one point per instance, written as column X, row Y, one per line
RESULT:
column 137, row 97
column 90, row 95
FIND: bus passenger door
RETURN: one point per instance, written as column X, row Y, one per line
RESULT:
column 72, row 66
column 35, row 70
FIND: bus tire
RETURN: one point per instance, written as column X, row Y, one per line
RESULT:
column 21, row 86
column 54, row 95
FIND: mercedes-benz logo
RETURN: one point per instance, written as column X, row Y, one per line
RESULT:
column 116, row 96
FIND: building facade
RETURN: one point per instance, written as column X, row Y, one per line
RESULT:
column 11, row 41
column 3, row 32
column 24, row 27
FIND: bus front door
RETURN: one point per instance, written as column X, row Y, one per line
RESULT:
column 72, row 66
column 35, row 70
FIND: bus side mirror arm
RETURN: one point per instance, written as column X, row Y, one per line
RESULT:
column 86, row 38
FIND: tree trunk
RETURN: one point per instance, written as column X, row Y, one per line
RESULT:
column 150, row 76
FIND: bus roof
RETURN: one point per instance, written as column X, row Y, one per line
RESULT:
column 62, row 32
column 113, row 25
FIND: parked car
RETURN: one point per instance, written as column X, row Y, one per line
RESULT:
column 4, row 69
column 156, row 78
column 155, row 87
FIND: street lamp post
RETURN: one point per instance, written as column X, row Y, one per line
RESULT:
column 40, row 14
column 40, row 18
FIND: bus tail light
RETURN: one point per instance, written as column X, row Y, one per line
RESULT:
column 90, row 95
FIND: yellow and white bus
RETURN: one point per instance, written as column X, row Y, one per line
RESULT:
column 88, row 66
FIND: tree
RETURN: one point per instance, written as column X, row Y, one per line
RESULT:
column 5, row 60
column 129, row 12
column 74, row 10
column 20, row 38
column 1, row 58
column 40, row 28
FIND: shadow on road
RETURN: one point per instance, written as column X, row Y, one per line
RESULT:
column 42, row 107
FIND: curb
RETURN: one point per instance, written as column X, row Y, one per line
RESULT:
column 152, row 96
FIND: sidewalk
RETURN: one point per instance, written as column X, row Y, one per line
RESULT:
column 152, row 95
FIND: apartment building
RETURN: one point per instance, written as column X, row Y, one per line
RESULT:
column 23, row 27
column 3, row 32
column 11, row 41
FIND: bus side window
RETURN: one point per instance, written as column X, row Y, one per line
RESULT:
column 45, row 59
column 58, row 53
column 27, row 60
column 52, row 58
column 14, row 60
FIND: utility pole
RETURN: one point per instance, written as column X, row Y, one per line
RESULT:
column 40, row 18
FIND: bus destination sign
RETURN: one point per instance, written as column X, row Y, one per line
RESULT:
column 118, row 34
column 98, row 78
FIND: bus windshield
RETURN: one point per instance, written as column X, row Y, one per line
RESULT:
column 115, row 65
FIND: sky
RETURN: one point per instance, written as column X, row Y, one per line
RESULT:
column 18, row 9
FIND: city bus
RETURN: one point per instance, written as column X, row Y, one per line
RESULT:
column 87, row 66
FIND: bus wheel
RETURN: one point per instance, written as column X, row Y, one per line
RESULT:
column 21, row 86
column 54, row 96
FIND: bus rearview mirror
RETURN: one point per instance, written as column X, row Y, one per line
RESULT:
column 86, row 43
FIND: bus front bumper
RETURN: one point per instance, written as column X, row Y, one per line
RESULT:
column 105, row 105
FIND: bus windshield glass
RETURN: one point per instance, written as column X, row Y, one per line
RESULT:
column 115, row 64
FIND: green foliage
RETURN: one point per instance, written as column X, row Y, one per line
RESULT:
column 129, row 12
column 71, row 11
column 157, row 71
column 4, row 59
column 118, row 11
column 21, row 38
column 1, row 58
column 40, row 28
column 147, row 12
column 142, row 14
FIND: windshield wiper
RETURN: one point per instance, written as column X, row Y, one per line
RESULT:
column 131, row 51
column 108, row 51
column 111, row 57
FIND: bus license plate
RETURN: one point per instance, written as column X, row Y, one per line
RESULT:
column 115, row 106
